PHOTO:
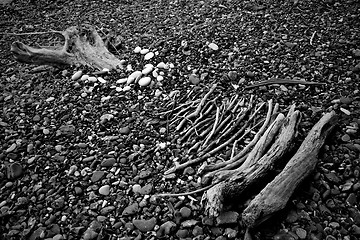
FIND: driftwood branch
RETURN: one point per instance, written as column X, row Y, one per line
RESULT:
column 277, row 193
column 83, row 46
column 234, row 182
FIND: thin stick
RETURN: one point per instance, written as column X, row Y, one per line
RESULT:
column 312, row 38
column 185, row 193
column 214, row 126
column 206, row 155
column 31, row 33
column 198, row 109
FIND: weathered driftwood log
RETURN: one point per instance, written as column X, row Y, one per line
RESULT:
column 277, row 193
column 83, row 46
column 234, row 182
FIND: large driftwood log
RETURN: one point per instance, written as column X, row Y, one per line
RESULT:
column 83, row 46
column 260, row 163
column 276, row 194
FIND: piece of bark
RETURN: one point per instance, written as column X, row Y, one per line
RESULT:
column 83, row 46
column 234, row 182
column 276, row 194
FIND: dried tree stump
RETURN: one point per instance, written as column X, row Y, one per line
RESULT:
column 83, row 46
column 276, row 194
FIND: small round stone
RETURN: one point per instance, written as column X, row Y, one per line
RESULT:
column 104, row 190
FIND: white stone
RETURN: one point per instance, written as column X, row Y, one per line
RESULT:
column 149, row 55
column 84, row 77
column 213, row 46
column 76, row 75
column 159, row 78
column 126, row 88
column 161, row 65
column 100, row 79
column 137, row 49
column 144, row 81
column 122, row 80
column 155, row 73
column 147, row 70
column 144, row 51
column 134, row 76
column 118, row 89
column 92, row 79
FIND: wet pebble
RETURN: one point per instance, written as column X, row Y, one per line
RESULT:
column 182, row 233
column 144, row 225
column 166, row 228
column 227, row 218
column 146, row 190
column 194, row 79
column 185, row 212
column 124, row 130
column 104, row 190
column 131, row 209
column 108, row 162
column 106, row 210
column 14, row 170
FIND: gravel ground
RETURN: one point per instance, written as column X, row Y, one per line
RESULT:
column 80, row 160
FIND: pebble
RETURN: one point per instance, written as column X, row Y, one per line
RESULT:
column 146, row 190
column 14, row 170
column 147, row 69
column 122, row 80
column 227, row 218
column 194, row 79
column 356, row 230
column 182, row 233
column 108, row 162
column 144, row 51
column 145, row 81
column 124, row 130
column 149, row 56
column 106, row 210
column 166, row 228
column 144, row 174
column 89, row 234
column 76, row 75
column 97, row 175
column 233, row 75
column 356, row 69
column 185, row 212
column 137, row 49
column 197, row 231
column 89, row 159
column 36, row 118
column 133, row 77
column 11, row 148
column 104, row 190
column 159, row 78
column 213, row 46
column 144, row 225
column 92, row 79
column 250, row 74
column 50, row 99
column 84, row 77
column 46, row 131
column 126, row 88
column 131, row 209
column 332, row 177
column 101, row 80
column 136, row 188
column 351, row 199
column 301, row 233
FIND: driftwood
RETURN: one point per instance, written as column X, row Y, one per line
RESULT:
column 276, row 194
column 83, row 46
column 259, row 163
